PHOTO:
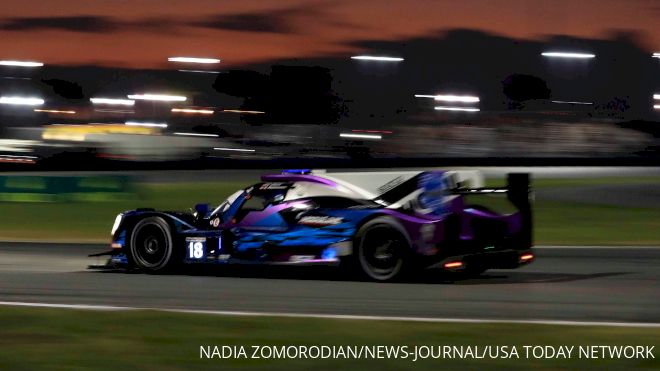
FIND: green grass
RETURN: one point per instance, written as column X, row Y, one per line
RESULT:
column 564, row 223
column 556, row 222
column 91, row 221
column 572, row 182
column 60, row 339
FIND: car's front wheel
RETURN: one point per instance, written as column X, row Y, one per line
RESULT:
column 151, row 248
column 383, row 250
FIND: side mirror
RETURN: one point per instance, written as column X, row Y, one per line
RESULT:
column 201, row 210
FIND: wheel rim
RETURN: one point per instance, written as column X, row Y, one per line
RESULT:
column 150, row 245
column 381, row 253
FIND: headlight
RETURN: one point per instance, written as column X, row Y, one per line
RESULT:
column 117, row 223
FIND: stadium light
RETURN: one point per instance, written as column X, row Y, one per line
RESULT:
column 372, row 131
column 194, row 111
column 233, row 149
column 462, row 109
column 194, row 60
column 376, row 58
column 457, row 98
column 55, row 111
column 22, row 101
column 113, row 101
column 450, row 98
column 158, row 97
column 20, row 156
column 17, row 145
column 18, row 159
column 146, row 124
column 197, row 135
column 243, row 111
column 199, row 71
column 21, row 64
column 571, row 102
column 361, row 136
column 568, row 55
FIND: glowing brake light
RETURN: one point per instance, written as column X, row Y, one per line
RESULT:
column 526, row 257
column 451, row 265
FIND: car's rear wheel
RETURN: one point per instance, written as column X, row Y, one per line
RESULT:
column 383, row 250
column 151, row 248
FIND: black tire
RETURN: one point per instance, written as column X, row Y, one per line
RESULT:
column 383, row 250
column 150, row 246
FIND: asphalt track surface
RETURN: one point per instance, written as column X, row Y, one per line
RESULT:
column 571, row 284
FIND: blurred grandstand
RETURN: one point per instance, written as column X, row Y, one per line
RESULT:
column 440, row 100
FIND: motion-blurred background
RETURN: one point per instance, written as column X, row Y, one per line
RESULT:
column 324, row 83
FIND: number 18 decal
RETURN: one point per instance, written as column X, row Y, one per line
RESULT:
column 196, row 249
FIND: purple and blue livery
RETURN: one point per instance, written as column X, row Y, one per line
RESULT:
column 381, row 225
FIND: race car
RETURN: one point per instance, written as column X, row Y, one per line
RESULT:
column 380, row 225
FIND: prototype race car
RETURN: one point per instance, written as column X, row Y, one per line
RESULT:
column 381, row 225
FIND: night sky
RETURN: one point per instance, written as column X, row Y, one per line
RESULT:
column 144, row 33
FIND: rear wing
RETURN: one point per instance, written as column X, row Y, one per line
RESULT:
column 518, row 189
column 518, row 192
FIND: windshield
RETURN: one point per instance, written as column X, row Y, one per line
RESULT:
column 224, row 206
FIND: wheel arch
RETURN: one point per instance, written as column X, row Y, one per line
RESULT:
column 358, row 262
column 390, row 220
column 133, row 218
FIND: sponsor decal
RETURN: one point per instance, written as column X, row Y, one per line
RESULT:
column 320, row 220
column 274, row 186
column 391, row 184
column 215, row 222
